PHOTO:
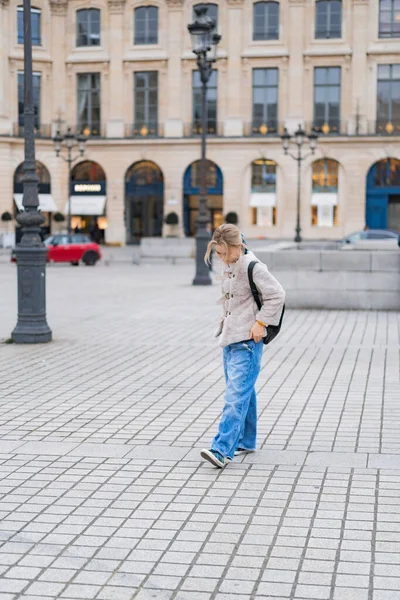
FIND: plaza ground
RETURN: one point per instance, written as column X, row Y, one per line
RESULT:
column 103, row 493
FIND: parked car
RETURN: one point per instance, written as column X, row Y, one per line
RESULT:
column 370, row 239
column 71, row 248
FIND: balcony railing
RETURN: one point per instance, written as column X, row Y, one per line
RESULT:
column 383, row 127
column 356, row 127
column 263, row 128
column 94, row 130
column 42, row 131
column 195, row 128
column 144, row 130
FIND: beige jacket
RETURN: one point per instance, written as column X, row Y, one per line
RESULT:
column 240, row 311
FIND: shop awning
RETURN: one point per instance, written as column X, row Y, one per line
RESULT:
column 324, row 199
column 86, row 205
column 46, row 202
column 259, row 200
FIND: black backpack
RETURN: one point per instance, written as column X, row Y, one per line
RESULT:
column 272, row 330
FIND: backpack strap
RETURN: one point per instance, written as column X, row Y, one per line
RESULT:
column 253, row 287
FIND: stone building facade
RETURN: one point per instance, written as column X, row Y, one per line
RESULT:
column 123, row 73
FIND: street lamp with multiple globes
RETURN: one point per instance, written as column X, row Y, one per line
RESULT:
column 31, row 253
column 204, row 45
column 299, row 138
column 70, row 140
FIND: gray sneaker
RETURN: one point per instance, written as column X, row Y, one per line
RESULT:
column 240, row 451
column 214, row 457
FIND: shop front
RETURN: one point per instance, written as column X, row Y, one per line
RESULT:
column 47, row 205
column 87, row 201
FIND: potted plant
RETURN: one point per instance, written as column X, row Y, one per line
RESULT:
column 6, row 217
column 172, row 219
column 59, row 217
column 232, row 218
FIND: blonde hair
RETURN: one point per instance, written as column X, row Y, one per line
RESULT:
column 226, row 235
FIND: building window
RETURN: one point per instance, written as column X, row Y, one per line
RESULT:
column 265, row 101
column 146, row 25
column 388, row 100
column 35, row 23
column 328, row 19
column 389, row 18
column 211, row 103
column 36, row 100
column 89, row 103
column 265, row 21
column 263, row 193
column 327, row 99
column 325, row 183
column 146, row 103
column 88, row 27
column 212, row 11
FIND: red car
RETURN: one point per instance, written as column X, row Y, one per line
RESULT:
column 71, row 248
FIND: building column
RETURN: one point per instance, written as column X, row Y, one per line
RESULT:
column 174, row 93
column 115, row 120
column 360, row 100
column 5, row 120
column 59, row 89
column 233, row 125
column 296, row 26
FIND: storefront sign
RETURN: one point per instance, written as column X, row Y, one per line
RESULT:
column 87, row 187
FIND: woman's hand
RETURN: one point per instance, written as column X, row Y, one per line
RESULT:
column 257, row 332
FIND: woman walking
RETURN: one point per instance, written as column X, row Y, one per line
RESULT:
column 241, row 331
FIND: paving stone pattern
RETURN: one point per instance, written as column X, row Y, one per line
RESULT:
column 102, row 491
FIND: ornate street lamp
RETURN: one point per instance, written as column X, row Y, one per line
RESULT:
column 299, row 138
column 30, row 253
column 71, row 141
column 204, row 45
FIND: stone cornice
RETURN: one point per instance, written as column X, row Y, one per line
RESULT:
column 4, row 2
column 235, row 2
column 175, row 3
column 59, row 7
column 116, row 6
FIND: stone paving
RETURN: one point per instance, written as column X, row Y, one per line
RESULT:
column 103, row 494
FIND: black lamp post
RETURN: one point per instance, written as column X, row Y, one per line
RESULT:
column 31, row 253
column 204, row 44
column 299, row 138
column 71, row 141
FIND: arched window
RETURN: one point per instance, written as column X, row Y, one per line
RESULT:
column 146, row 25
column 324, row 200
column 88, row 27
column 42, row 174
column 387, row 173
column 88, row 170
column 389, row 19
column 263, row 193
column 212, row 11
column 35, row 22
column 325, row 176
column 328, row 19
column 266, row 21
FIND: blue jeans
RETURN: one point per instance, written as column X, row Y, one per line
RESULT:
column 238, row 425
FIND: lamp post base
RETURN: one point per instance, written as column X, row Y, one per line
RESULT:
column 32, row 327
column 202, row 276
column 297, row 237
column 202, row 280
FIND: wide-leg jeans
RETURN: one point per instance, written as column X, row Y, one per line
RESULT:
column 238, row 425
